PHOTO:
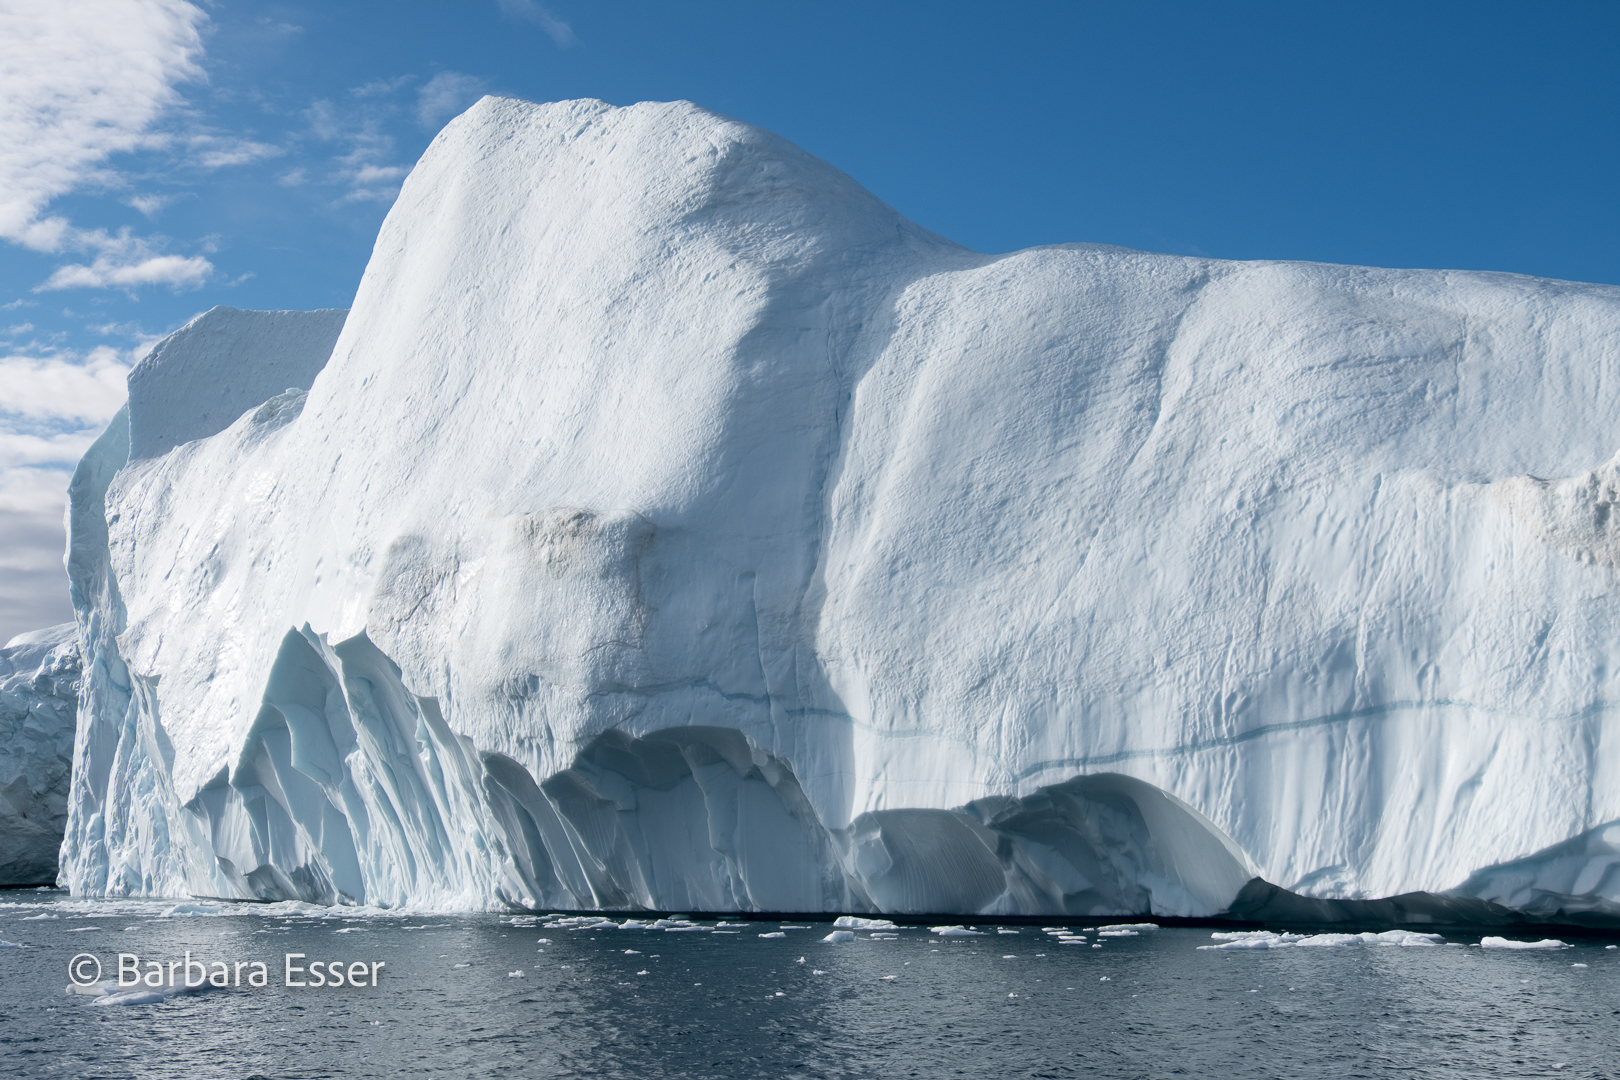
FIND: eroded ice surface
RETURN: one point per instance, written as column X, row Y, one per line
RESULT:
column 39, row 688
column 673, row 524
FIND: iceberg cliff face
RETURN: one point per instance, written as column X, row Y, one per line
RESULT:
column 675, row 525
column 39, row 689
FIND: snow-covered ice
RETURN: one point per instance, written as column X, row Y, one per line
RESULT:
column 672, row 524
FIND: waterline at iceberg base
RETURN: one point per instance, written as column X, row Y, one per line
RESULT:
column 671, row 524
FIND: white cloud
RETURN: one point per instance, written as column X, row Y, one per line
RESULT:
column 62, row 388
column 107, row 272
column 537, row 13
column 52, row 408
column 445, row 95
column 79, row 82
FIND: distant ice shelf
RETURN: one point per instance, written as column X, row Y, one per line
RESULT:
column 671, row 524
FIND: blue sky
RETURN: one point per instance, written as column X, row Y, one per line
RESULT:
column 158, row 158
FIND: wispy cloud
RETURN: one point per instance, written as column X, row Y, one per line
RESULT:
column 382, row 87
column 445, row 95
column 368, row 168
column 221, row 152
column 533, row 11
column 80, row 82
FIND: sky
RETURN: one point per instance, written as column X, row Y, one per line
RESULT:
column 159, row 157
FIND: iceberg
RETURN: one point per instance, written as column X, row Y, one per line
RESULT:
column 672, row 525
column 39, row 692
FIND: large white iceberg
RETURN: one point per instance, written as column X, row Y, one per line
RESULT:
column 39, row 689
column 675, row 525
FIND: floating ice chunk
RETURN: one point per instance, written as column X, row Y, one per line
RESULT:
column 955, row 931
column 1118, row 933
column 777, row 934
column 855, row 922
column 81, row 929
column 1006, row 931
column 723, row 923
column 131, row 997
column 884, row 937
column 1577, row 965
column 186, row 911
column 518, row 974
column 1138, row 927
column 794, row 926
column 838, row 937
column 888, row 978
column 635, row 924
column 10, row 945
column 1267, row 939
column 351, row 930
column 687, row 929
column 632, row 952
column 460, row 965
column 1505, row 943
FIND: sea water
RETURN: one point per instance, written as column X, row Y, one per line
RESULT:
column 492, row 995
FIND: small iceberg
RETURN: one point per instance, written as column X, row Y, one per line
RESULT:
column 1505, row 943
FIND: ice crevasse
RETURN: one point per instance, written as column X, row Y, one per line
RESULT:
column 672, row 524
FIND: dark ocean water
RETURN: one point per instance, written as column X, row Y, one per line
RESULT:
column 643, row 1004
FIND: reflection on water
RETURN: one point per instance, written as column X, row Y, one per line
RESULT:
column 493, row 996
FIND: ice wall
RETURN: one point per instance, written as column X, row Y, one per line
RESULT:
column 39, row 690
column 645, row 421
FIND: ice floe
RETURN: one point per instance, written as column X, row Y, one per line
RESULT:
column 1508, row 943
column 1270, row 939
